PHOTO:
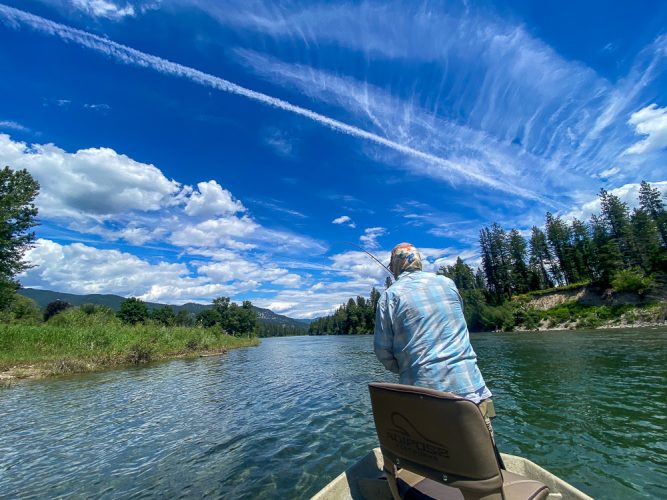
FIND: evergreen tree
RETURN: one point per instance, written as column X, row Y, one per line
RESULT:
column 520, row 279
column 558, row 236
column 606, row 258
column 650, row 252
column 615, row 216
column 496, row 261
column 650, row 200
column 582, row 250
column 540, row 261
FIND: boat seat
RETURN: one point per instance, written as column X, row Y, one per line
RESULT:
column 436, row 445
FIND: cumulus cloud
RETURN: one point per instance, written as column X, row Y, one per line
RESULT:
column 650, row 121
column 90, row 183
column 211, row 199
column 628, row 193
column 80, row 268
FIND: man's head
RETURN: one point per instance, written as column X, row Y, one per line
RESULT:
column 404, row 257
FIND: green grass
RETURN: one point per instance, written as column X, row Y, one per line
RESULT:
column 594, row 316
column 102, row 341
column 526, row 297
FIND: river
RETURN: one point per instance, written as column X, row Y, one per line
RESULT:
column 284, row 418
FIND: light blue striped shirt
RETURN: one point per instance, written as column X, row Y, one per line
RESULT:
column 421, row 334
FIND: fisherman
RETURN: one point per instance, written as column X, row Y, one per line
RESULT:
column 421, row 334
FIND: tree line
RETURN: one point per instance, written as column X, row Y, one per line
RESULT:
column 616, row 249
column 563, row 253
column 356, row 317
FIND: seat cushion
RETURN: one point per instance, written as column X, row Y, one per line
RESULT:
column 517, row 487
column 412, row 486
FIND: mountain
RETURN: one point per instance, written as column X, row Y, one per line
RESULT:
column 43, row 297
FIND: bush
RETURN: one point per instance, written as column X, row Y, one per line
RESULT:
column 24, row 310
column 495, row 318
column 133, row 311
column 54, row 308
column 74, row 317
column 631, row 280
column 95, row 309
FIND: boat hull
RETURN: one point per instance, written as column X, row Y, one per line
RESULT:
column 365, row 480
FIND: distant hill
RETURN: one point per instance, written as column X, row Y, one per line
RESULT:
column 43, row 297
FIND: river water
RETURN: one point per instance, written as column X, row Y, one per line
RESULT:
column 284, row 418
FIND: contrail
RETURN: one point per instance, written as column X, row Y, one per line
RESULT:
column 127, row 55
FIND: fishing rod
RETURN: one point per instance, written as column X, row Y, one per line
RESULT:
column 370, row 255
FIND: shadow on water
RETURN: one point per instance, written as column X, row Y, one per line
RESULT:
column 284, row 418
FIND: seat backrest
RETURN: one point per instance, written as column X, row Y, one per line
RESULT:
column 435, row 434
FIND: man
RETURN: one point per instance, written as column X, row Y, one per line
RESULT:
column 421, row 334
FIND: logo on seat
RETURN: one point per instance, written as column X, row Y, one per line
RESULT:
column 406, row 438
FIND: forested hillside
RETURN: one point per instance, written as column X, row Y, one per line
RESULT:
column 616, row 251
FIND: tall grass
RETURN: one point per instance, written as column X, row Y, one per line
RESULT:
column 76, row 341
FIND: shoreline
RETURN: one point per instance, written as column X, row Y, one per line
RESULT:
column 40, row 370
column 569, row 327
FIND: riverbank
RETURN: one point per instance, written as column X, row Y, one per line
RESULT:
column 45, row 350
column 586, row 307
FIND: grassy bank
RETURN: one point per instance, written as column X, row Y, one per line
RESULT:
column 29, row 351
column 572, row 315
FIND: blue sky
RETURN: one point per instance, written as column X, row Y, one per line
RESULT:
column 192, row 149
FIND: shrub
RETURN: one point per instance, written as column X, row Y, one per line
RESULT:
column 55, row 307
column 24, row 310
column 631, row 280
column 133, row 311
column 95, row 309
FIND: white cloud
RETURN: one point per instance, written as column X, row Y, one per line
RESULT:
column 370, row 236
column 280, row 307
column 12, row 125
column 650, row 121
column 628, row 193
column 344, row 219
column 104, row 8
column 606, row 174
column 91, row 183
column 340, row 220
column 443, row 166
column 80, row 268
column 211, row 199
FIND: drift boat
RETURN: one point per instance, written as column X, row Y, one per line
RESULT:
column 366, row 480
column 436, row 445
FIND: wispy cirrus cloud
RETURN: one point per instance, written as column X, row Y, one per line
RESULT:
column 128, row 55
column 534, row 116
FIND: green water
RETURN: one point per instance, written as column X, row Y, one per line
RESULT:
column 284, row 418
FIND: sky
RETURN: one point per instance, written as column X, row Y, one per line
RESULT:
column 193, row 149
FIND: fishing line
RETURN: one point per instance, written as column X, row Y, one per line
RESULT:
column 369, row 254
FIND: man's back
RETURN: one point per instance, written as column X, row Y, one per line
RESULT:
column 421, row 333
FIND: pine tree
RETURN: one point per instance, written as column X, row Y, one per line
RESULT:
column 615, row 216
column 650, row 200
column 520, row 279
column 540, row 260
column 647, row 236
column 582, row 249
column 606, row 258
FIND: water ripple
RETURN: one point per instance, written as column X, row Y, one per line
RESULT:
column 284, row 418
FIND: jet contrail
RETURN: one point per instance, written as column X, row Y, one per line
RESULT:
column 14, row 17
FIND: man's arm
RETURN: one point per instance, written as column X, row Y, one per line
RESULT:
column 384, row 336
